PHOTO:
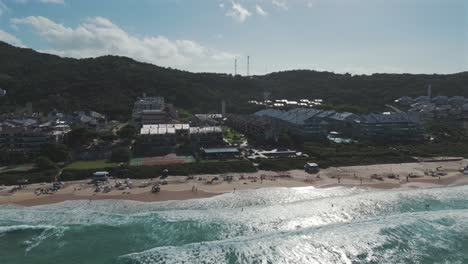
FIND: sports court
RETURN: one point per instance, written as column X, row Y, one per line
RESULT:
column 161, row 160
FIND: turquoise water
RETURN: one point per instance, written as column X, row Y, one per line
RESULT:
column 278, row 225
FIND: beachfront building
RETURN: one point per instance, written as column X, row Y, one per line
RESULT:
column 23, row 135
column 257, row 127
column 160, row 139
column 155, row 141
column 304, row 123
column 383, row 128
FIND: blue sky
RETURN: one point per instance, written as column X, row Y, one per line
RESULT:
column 356, row 36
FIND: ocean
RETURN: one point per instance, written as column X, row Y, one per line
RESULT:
column 275, row 225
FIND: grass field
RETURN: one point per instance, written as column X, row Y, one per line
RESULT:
column 88, row 165
column 17, row 168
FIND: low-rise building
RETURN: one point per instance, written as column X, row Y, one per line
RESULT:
column 23, row 136
column 260, row 128
column 202, row 137
column 383, row 128
column 303, row 123
column 220, row 153
column 158, row 139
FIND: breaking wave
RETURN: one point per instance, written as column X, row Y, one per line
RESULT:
column 277, row 225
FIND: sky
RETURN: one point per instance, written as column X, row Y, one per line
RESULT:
column 355, row 36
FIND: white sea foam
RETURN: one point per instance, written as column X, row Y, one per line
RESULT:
column 6, row 229
column 278, row 225
column 341, row 243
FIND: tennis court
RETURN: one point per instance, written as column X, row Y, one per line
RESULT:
column 161, row 160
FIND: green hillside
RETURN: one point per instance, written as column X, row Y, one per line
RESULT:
column 110, row 84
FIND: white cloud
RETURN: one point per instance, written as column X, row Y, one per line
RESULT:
column 99, row 36
column 222, row 56
column 281, row 4
column 8, row 38
column 238, row 12
column 260, row 10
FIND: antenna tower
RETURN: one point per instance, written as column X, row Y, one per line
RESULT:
column 248, row 65
column 235, row 67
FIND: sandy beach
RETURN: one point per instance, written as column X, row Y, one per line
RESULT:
column 383, row 176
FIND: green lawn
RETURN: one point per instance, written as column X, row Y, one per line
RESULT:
column 17, row 168
column 89, row 165
column 232, row 136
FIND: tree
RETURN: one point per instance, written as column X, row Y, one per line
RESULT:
column 121, row 155
column 44, row 163
column 127, row 132
column 55, row 152
column 78, row 137
column 107, row 136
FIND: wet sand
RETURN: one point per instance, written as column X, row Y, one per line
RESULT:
column 141, row 197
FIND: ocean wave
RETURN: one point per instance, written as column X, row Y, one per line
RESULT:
column 261, row 219
column 13, row 228
column 422, row 237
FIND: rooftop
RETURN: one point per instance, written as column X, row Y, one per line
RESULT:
column 220, row 150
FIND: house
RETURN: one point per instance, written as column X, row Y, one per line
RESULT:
column 440, row 100
column 89, row 118
column 422, row 98
column 404, row 100
column 457, row 100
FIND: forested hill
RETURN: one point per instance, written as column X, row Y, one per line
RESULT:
column 110, row 84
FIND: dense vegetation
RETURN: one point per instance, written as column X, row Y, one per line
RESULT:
column 110, row 85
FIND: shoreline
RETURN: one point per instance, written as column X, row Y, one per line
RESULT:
column 180, row 188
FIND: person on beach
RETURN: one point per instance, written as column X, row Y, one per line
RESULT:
column 339, row 179
column 360, row 178
column 234, row 190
